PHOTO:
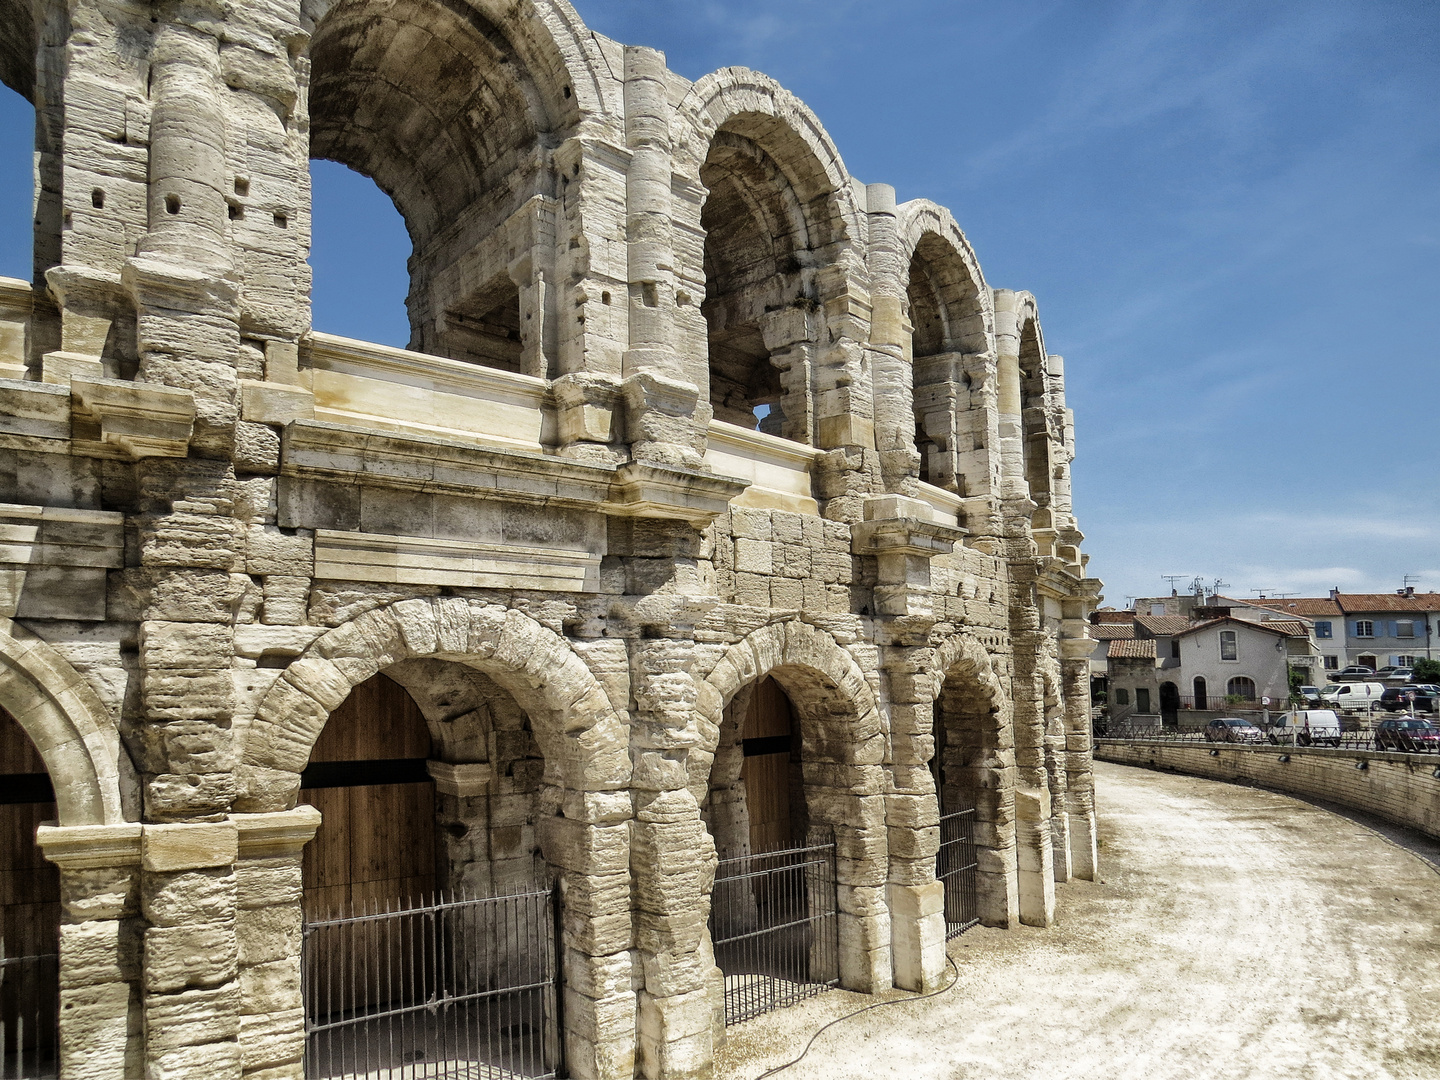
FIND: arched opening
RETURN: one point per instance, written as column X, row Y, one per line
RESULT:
column 1035, row 428
column 1169, row 704
column 1241, row 688
column 972, row 778
column 948, row 325
column 458, row 144
column 766, row 222
column 773, row 915
column 29, row 912
column 1201, row 700
column 431, row 936
column 359, row 275
column 17, row 220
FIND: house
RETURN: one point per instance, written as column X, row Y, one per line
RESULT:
column 1373, row 629
column 1204, row 659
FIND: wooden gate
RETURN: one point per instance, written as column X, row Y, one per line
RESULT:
column 771, row 770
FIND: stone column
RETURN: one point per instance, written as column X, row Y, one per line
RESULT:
column 890, row 348
column 269, row 918
column 101, row 1026
column 190, row 969
column 1080, row 786
column 661, row 400
column 673, row 858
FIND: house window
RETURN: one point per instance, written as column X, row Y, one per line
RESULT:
column 1322, row 629
column 1405, row 661
column 1157, row 609
column 1332, row 663
column 1122, row 696
column 1142, row 700
column 1242, row 686
column 1175, row 648
column 1229, row 650
column 1404, row 629
column 1364, row 628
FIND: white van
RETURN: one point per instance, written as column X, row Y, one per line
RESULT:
column 1353, row 696
column 1305, row 727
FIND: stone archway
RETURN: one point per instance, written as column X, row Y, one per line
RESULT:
column 584, row 809
column 842, row 750
column 977, row 768
column 70, row 726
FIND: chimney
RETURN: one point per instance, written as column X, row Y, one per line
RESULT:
column 1409, row 590
column 1335, row 594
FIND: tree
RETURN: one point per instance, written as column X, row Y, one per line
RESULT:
column 1426, row 671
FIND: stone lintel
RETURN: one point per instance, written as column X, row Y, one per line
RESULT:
column 284, row 832
column 904, row 536
column 313, row 449
column 274, row 402
column 32, row 411
column 57, row 536
column 464, row 781
column 91, row 847
column 419, row 560
column 138, row 419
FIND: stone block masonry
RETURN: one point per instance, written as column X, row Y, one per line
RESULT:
column 718, row 504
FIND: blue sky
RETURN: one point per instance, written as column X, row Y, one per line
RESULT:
column 1229, row 212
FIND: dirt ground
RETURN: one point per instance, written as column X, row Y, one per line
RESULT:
column 1237, row 934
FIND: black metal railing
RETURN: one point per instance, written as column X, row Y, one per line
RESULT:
column 775, row 924
column 455, row 988
column 1369, row 740
column 29, row 1016
column 957, row 868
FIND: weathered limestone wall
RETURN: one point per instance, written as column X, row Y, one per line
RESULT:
column 688, row 406
column 1397, row 787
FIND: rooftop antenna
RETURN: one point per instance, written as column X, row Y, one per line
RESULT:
column 1172, row 578
column 1263, row 593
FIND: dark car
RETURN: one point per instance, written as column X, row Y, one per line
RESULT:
column 1355, row 673
column 1233, row 729
column 1402, row 698
column 1407, row 735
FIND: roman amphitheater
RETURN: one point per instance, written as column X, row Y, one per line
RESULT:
column 691, row 618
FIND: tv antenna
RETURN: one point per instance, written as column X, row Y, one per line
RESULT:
column 1172, row 578
column 1411, row 579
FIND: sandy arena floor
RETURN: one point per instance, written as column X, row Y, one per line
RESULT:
column 1237, row 934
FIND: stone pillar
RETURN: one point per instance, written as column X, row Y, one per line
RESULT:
column 673, row 858
column 1079, row 763
column 269, row 918
column 101, row 1025
column 890, row 348
column 191, row 963
column 661, row 401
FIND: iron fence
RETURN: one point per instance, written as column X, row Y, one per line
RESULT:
column 775, row 924
column 956, row 867
column 29, row 1016
column 459, row 989
column 1370, row 740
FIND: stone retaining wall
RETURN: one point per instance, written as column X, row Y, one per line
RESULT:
column 1401, row 788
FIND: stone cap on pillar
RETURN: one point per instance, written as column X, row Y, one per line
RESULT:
column 138, row 420
column 900, row 525
column 282, row 832
column 650, row 489
column 91, row 847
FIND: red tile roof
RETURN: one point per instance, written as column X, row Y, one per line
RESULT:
column 1366, row 603
column 1278, row 626
column 1112, row 632
column 1305, row 607
column 1164, row 625
column 1139, row 649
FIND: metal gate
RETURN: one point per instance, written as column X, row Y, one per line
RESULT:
column 775, row 924
column 29, row 1012
column 460, row 989
column 957, row 868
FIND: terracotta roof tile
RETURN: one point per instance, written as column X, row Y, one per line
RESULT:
column 1364, row 603
column 1139, row 649
column 1302, row 606
column 1112, row 632
column 1164, row 625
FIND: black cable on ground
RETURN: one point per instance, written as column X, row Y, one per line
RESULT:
column 955, row 977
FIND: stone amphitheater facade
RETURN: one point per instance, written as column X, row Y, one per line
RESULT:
column 686, row 406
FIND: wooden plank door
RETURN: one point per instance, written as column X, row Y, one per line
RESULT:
column 29, row 906
column 768, row 740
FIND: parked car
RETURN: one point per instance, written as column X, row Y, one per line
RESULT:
column 1409, row 735
column 1309, row 695
column 1394, row 674
column 1355, row 672
column 1351, row 696
column 1305, row 727
column 1232, row 729
column 1401, row 698
column 1425, row 688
